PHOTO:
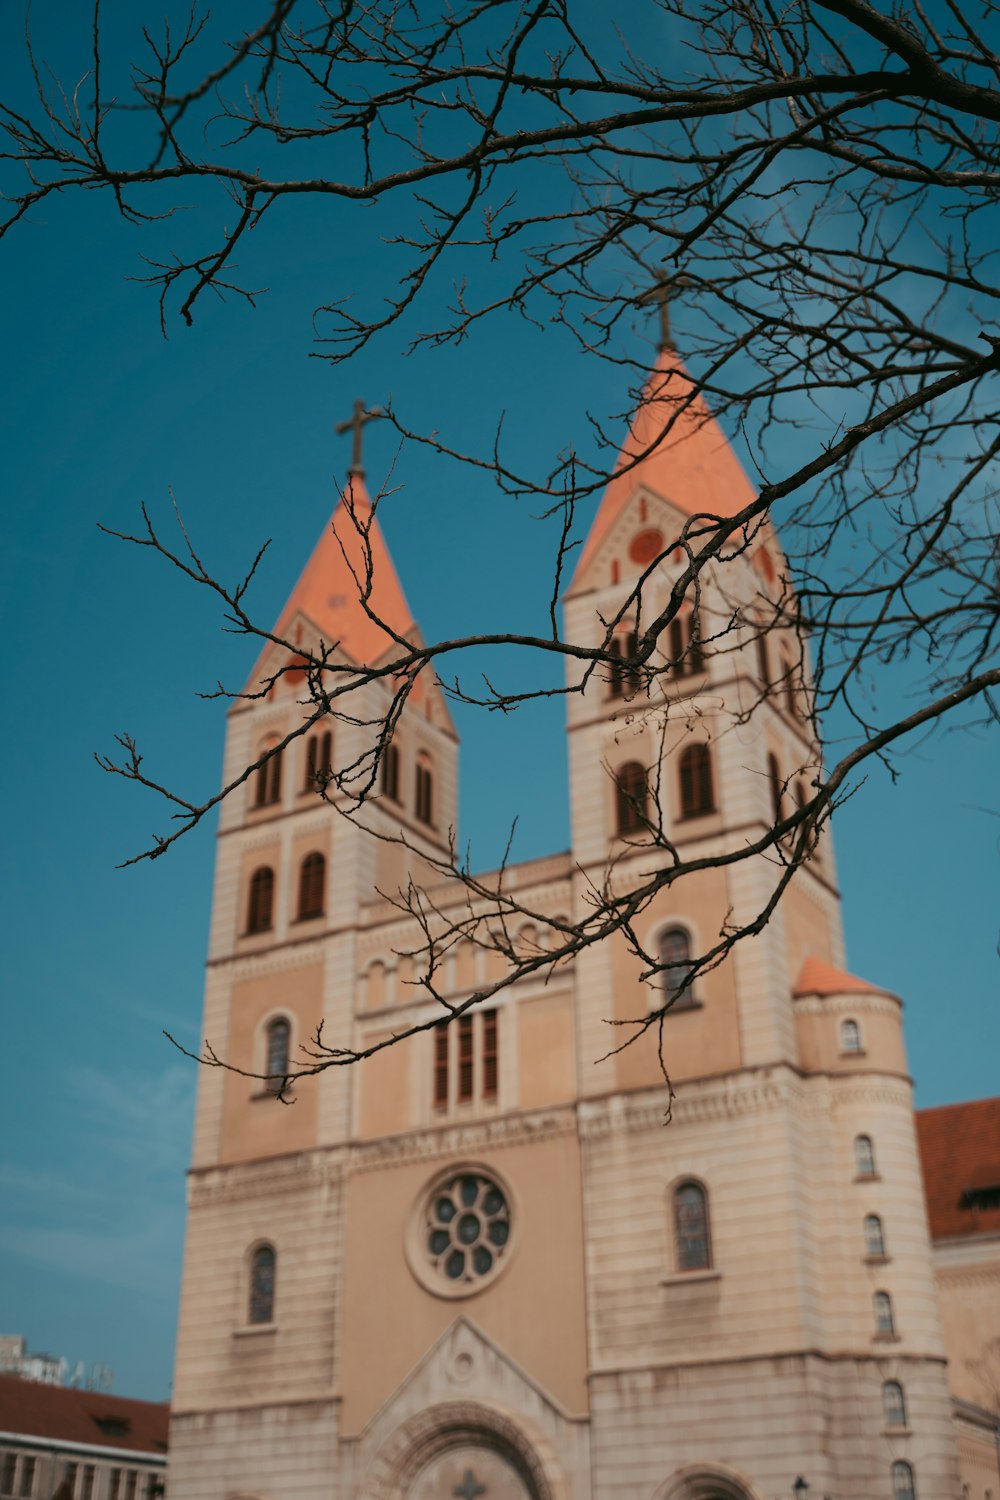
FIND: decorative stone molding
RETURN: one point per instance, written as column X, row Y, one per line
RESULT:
column 456, row 1424
column 871, row 1002
column 290, row 1174
column 737, row 1097
column 461, row 1140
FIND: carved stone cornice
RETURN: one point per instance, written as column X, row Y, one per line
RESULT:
column 466, row 1139
column 871, row 1002
column 299, row 1173
column 734, row 1099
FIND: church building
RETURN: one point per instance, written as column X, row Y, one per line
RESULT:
column 480, row 1264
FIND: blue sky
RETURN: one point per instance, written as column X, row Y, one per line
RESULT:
column 236, row 420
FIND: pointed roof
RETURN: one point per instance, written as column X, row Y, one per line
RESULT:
column 819, row 978
column 692, row 465
column 960, row 1154
column 328, row 591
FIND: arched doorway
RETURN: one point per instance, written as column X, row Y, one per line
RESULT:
column 469, row 1472
column 707, row 1482
column 464, row 1451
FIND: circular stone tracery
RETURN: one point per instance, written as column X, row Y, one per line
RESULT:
column 466, row 1228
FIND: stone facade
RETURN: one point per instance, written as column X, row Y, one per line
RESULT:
column 607, row 1339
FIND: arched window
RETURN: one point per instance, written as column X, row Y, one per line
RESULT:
column 424, row 803
column 902, row 1481
column 692, row 1245
column 777, row 787
column 697, row 794
column 312, row 884
column 263, row 1263
column 894, row 1404
column 624, row 678
column 686, row 653
column 864, row 1156
column 267, row 782
column 788, row 676
column 261, row 900
column 279, row 1037
column 874, row 1238
column 390, row 772
column 885, row 1324
column 850, row 1036
column 675, row 955
column 631, row 794
column 319, row 761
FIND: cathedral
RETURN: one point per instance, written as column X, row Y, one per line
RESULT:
column 480, row 1263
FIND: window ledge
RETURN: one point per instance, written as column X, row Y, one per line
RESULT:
column 886, row 1338
column 254, row 1330
column 899, row 1431
column 313, row 916
column 868, row 1177
column 854, row 1052
column 683, row 1278
column 876, row 1260
column 682, row 1005
column 703, row 812
column 271, row 1093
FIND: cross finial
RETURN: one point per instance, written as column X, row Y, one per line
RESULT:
column 660, row 294
column 356, row 424
column 469, row 1489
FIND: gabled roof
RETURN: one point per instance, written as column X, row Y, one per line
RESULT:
column 329, row 590
column 819, row 978
column 960, row 1154
column 72, row 1416
column 676, row 449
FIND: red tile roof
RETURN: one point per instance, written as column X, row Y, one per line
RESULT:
column 819, row 978
column 72, row 1416
column 960, row 1154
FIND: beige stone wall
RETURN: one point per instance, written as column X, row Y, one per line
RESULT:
column 288, row 1452
column 968, row 1283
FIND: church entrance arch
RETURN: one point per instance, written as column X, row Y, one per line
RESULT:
column 463, row 1451
column 707, row 1482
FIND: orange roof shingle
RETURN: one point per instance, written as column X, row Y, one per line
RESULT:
column 72, row 1416
column 691, row 465
column 819, row 978
column 960, row 1151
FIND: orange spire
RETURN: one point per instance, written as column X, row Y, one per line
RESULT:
column 691, row 466
column 329, row 591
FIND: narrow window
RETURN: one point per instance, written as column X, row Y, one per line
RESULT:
column 791, row 703
column 616, row 674
column 633, row 675
column 763, row 665
column 490, row 1060
column 894, row 1404
column 267, row 789
column 279, row 1037
column 676, row 643
column 465, row 1059
column 7, row 1473
column 390, row 772
column 319, row 761
column 850, row 1036
column 697, row 793
column 695, row 650
column 692, row 1245
column 69, row 1477
column 630, row 797
column 874, row 1238
column 262, row 1277
column 312, row 883
column 777, row 787
column 87, row 1483
column 424, row 807
column 261, row 900
column 864, row 1156
column 902, row 1481
column 675, row 955
column 441, row 1066
column 114, row 1489
column 130, row 1481
column 27, row 1476
column 884, row 1322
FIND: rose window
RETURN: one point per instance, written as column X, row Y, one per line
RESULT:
column 467, row 1227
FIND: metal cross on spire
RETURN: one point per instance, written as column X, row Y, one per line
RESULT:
column 661, row 294
column 356, row 425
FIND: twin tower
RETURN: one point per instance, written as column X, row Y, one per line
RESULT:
column 479, row 1264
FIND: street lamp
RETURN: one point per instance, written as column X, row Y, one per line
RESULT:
column 799, row 1488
